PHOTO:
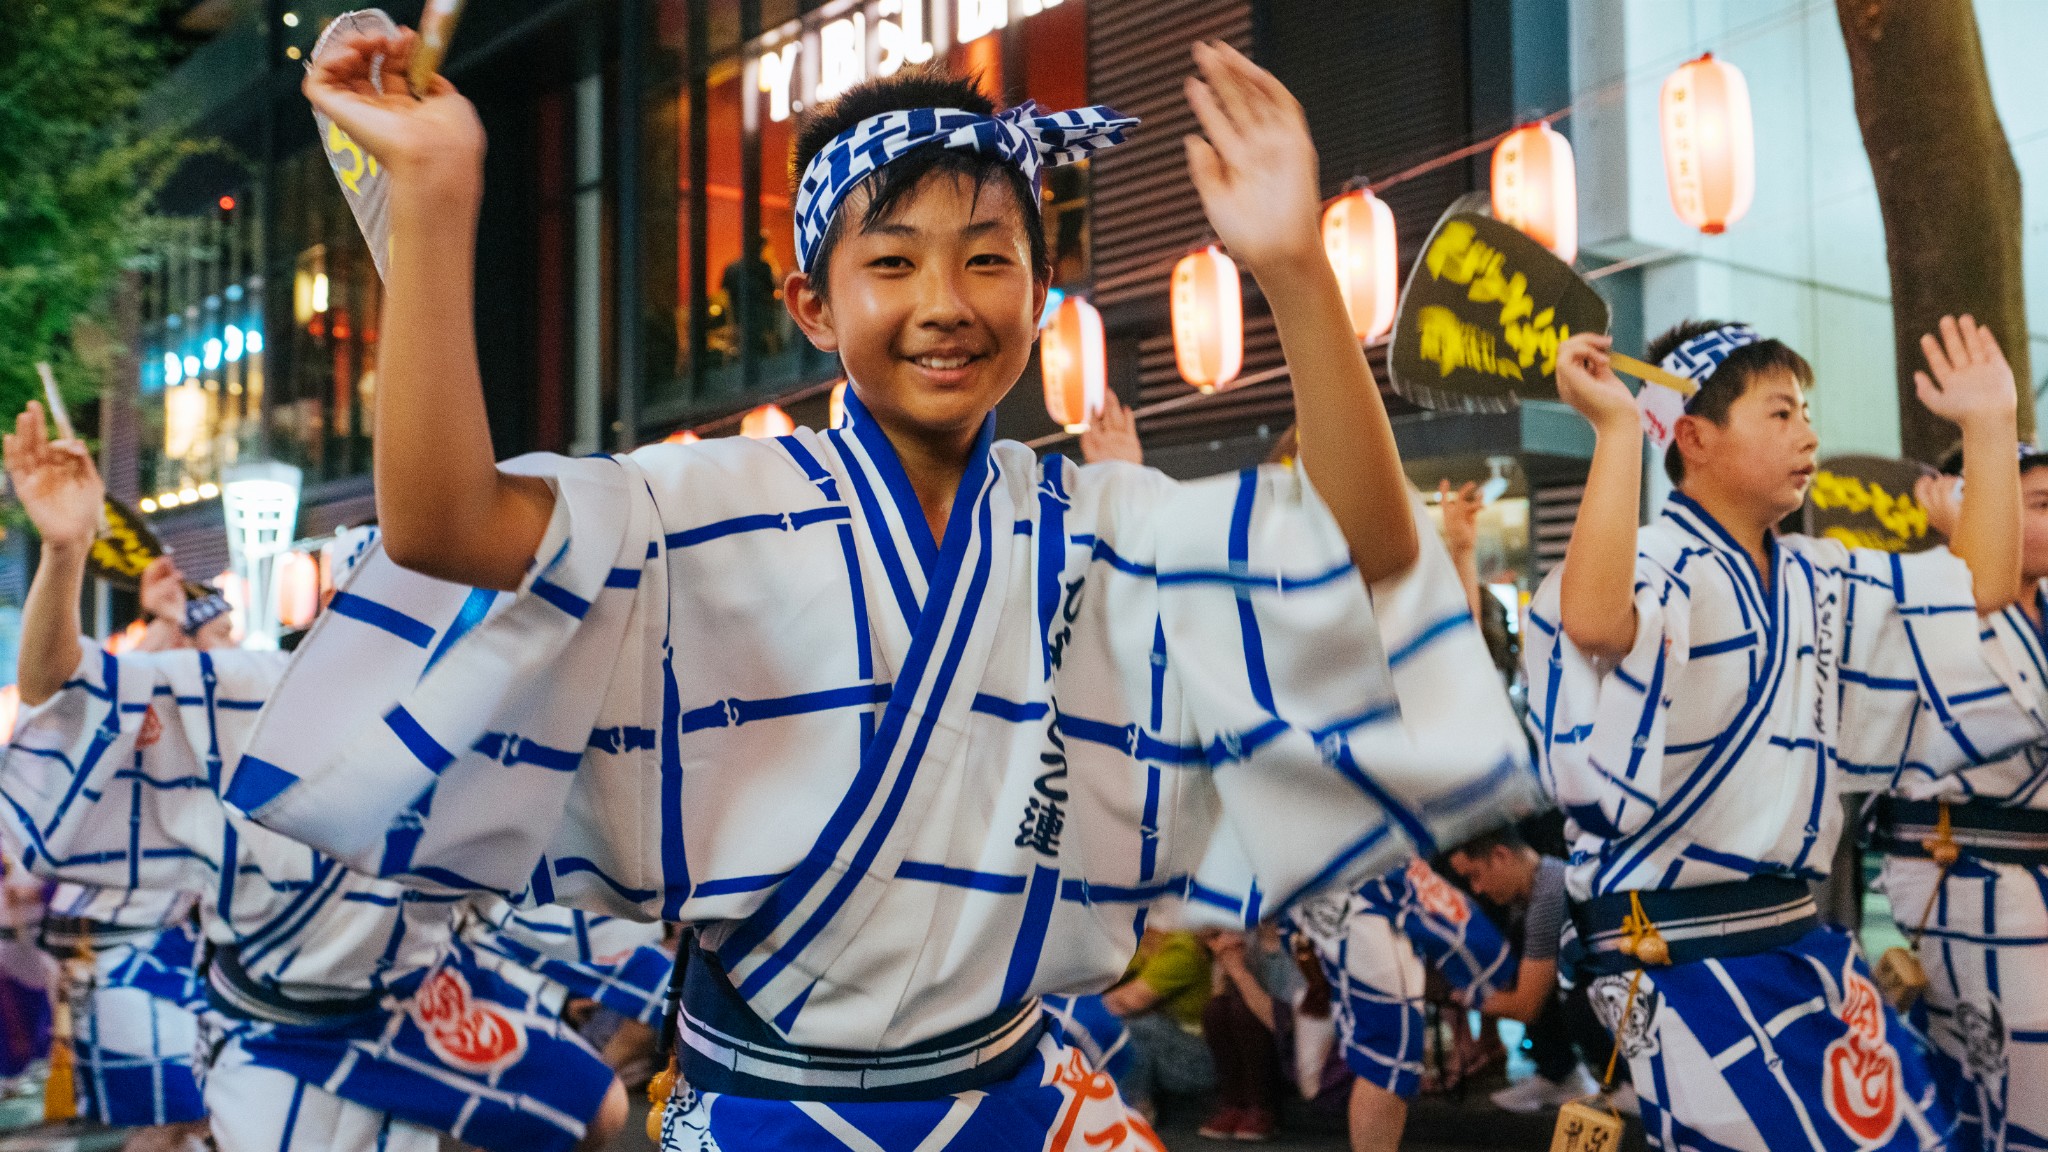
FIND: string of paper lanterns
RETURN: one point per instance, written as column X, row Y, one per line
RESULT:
column 1710, row 168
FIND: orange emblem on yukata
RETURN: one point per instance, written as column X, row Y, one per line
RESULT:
column 469, row 1034
column 1861, row 1069
column 152, row 729
column 1435, row 894
column 1109, row 1127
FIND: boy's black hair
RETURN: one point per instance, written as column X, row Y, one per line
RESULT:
column 924, row 86
column 1729, row 381
column 2030, row 459
column 1504, row 836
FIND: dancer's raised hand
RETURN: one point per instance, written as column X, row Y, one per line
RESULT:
column 1254, row 164
column 432, row 134
column 55, row 481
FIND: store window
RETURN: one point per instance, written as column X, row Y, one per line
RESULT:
column 322, row 403
column 201, row 363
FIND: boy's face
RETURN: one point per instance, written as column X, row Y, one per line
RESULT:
column 1497, row 873
column 1764, row 454
column 933, row 309
column 2034, row 522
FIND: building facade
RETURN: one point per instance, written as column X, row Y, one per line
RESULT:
column 637, row 223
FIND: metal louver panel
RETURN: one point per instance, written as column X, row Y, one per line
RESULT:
column 1552, row 512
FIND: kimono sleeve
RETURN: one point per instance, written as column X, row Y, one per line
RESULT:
column 431, row 732
column 115, row 780
column 1926, row 686
column 1600, row 728
column 1346, row 728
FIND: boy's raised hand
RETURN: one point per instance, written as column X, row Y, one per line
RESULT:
column 1971, row 378
column 1112, row 435
column 438, row 130
column 1587, row 383
column 1254, row 164
column 55, row 481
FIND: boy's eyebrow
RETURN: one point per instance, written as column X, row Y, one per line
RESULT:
column 978, row 228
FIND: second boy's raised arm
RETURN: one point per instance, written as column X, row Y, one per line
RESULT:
column 1972, row 386
column 1255, row 168
column 444, row 508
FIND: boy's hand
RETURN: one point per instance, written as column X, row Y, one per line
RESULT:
column 1112, row 435
column 55, row 481
column 163, row 591
column 1589, row 385
column 1942, row 497
column 1254, row 166
column 1461, row 516
column 435, row 137
column 1971, row 379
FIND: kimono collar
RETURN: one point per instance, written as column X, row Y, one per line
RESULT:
column 1681, row 509
column 876, row 442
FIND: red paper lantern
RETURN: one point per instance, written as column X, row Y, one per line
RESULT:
column 1208, row 319
column 1075, row 367
column 1536, row 188
column 683, row 437
column 1358, row 237
column 298, row 589
column 1709, row 143
column 766, row 422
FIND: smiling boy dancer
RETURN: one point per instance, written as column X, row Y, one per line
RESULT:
column 1703, row 687
column 1985, row 948
column 343, row 1014
column 911, row 725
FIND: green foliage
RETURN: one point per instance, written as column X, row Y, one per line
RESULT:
column 76, row 174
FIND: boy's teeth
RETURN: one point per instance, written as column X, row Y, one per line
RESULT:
column 942, row 363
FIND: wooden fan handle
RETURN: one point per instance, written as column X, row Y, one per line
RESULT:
column 1651, row 374
column 437, row 28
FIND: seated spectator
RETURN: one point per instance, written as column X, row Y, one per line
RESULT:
column 1161, row 1001
column 1242, row 1026
column 1501, row 868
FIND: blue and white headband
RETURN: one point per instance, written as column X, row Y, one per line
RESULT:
column 1697, row 358
column 1020, row 135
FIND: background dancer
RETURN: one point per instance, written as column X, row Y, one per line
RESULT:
column 1979, row 918
column 344, row 1014
column 1703, row 687
column 901, row 718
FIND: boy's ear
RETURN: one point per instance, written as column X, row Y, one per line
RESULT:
column 1688, row 438
column 1041, row 291
column 810, row 311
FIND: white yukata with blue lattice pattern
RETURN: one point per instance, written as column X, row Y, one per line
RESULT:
column 1374, row 944
column 116, row 781
column 134, row 1015
column 898, row 783
column 567, row 952
column 1714, row 752
column 1986, row 946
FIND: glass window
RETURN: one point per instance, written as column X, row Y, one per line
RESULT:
column 724, row 229
column 665, row 263
column 201, row 378
column 321, row 410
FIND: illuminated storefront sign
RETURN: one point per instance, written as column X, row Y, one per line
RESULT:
column 803, row 63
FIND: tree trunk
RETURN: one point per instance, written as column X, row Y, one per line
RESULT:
column 1948, row 188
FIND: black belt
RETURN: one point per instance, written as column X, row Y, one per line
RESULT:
column 61, row 935
column 1983, row 830
column 1740, row 918
column 233, row 992
column 725, row 1048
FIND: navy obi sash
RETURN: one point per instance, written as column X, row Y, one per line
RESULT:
column 1983, row 830
column 725, row 1048
column 1716, row 920
column 231, row 991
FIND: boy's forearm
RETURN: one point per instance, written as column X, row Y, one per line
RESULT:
column 1598, row 592
column 1347, row 444
column 443, row 507
column 1988, row 524
column 50, row 621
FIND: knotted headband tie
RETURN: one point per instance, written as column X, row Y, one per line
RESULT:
column 1022, row 136
column 1697, row 358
